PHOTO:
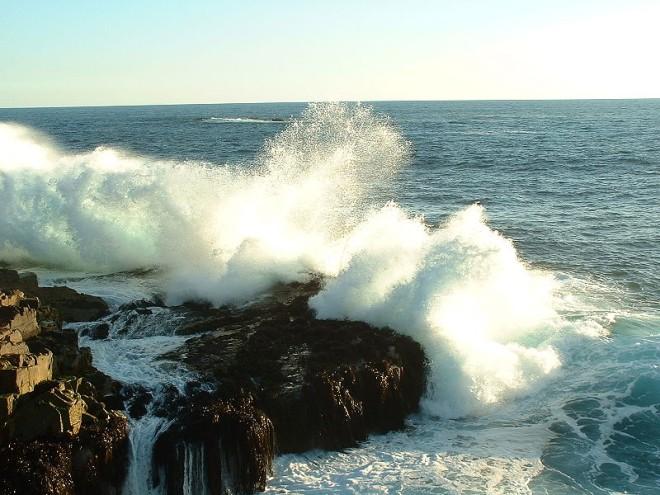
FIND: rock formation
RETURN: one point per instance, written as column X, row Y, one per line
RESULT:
column 272, row 379
column 285, row 382
column 70, row 305
column 56, row 435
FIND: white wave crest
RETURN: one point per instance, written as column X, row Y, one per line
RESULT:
column 313, row 203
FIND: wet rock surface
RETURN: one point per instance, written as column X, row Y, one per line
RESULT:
column 226, row 445
column 305, row 384
column 92, row 462
column 56, row 434
column 268, row 378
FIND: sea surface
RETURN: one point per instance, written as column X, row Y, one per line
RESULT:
column 518, row 241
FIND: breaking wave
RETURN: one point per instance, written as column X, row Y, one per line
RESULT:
column 316, row 202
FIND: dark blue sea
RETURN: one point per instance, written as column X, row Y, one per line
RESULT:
column 518, row 241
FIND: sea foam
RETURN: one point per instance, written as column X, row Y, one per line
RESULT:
column 315, row 201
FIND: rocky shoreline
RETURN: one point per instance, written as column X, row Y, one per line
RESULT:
column 56, row 434
column 270, row 379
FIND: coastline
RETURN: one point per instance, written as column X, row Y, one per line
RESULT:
column 268, row 379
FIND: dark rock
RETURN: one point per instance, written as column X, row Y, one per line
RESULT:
column 41, row 467
column 69, row 359
column 168, row 401
column 231, row 442
column 97, row 332
column 28, row 279
column 142, row 304
column 92, row 462
column 136, row 399
column 9, row 279
column 323, row 383
column 71, row 305
column 319, row 384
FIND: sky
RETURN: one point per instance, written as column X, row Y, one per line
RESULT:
column 121, row 52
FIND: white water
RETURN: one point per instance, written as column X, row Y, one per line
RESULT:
column 315, row 201
column 131, row 356
column 224, row 234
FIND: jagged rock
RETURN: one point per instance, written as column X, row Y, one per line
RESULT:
column 56, row 436
column 21, row 317
column 69, row 358
column 320, row 383
column 12, row 343
column 7, row 402
column 93, row 462
column 54, row 412
column 20, row 373
column 10, row 297
column 72, row 306
column 225, row 446
column 97, row 332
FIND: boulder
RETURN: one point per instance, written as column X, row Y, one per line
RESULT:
column 92, row 462
column 58, row 411
column 21, row 317
column 20, row 373
column 97, row 332
column 226, row 446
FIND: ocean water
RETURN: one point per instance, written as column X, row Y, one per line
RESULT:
column 519, row 242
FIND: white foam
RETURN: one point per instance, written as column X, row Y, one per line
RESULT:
column 462, row 292
column 314, row 202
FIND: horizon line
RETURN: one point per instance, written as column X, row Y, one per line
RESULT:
column 430, row 100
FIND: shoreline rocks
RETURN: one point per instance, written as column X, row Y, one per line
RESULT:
column 71, row 306
column 56, row 435
column 306, row 384
column 218, row 447
column 272, row 379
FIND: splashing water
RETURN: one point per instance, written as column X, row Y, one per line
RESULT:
column 224, row 233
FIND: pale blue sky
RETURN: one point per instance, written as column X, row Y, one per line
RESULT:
column 81, row 52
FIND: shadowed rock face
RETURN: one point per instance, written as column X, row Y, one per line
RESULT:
column 319, row 383
column 71, row 305
column 92, row 462
column 217, row 447
column 56, row 435
column 282, row 380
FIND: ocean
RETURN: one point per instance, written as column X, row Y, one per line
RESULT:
column 517, row 241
